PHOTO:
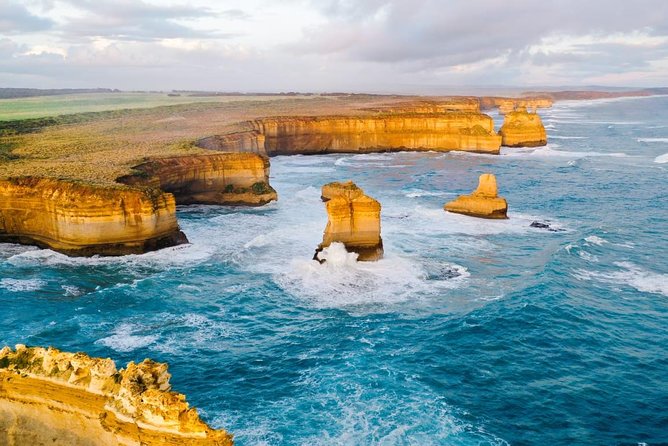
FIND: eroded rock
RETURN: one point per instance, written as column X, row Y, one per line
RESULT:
column 522, row 129
column 484, row 202
column 49, row 397
column 353, row 219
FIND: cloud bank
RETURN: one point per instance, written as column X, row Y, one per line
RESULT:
column 327, row 45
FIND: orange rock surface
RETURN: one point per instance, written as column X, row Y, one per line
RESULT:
column 523, row 129
column 49, row 397
column 466, row 131
column 484, row 202
column 222, row 178
column 507, row 105
column 83, row 220
column 353, row 219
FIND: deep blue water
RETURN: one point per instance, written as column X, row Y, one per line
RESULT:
column 468, row 332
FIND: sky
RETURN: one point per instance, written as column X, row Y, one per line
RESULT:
column 383, row 46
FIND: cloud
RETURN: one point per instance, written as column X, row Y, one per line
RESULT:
column 138, row 20
column 16, row 18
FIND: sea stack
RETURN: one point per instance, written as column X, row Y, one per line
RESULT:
column 353, row 219
column 62, row 399
column 484, row 202
column 522, row 129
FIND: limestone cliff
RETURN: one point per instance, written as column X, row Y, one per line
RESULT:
column 223, row 178
column 49, row 397
column 507, row 105
column 484, row 202
column 353, row 219
column 467, row 131
column 83, row 220
column 522, row 129
column 445, row 105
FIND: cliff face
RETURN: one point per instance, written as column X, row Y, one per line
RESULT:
column 484, row 202
column 453, row 104
column 224, row 178
column 523, row 129
column 48, row 397
column 250, row 141
column 83, row 220
column 353, row 219
column 507, row 105
column 310, row 135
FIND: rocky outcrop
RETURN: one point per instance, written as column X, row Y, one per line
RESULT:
column 353, row 219
column 523, row 129
column 507, row 105
column 345, row 134
column 250, row 141
column 83, row 220
column 224, row 178
column 484, row 202
column 466, row 131
column 48, row 397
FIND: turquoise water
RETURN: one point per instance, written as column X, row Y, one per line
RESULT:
column 468, row 332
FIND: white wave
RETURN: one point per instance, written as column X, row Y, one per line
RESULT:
column 663, row 140
column 549, row 151
column 124, row 339
column 595, row 240
column 414, row 193
column 72, row 291
column 18, row 285
column 632, row 275
column 661, row 159
column 342, row 281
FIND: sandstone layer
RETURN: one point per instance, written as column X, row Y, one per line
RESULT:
column 353, row 219
column 484, row 202
column 523, row 129
column 507, row 105
column 224, row 178
column 48, row 397
column 452, row 104
column 466, row 131
column 83, row 220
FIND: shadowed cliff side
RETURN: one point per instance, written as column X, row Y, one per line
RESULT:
column 467, row 131
column 49, row 397
column 484, row 202
column 523, row 129
column 224, row 178
column 353, row 219
column 83, row 220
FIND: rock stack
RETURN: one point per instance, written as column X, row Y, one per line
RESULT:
column 353, row 219
column 522, row 129
column 484, row 202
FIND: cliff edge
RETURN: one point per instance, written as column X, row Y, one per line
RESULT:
column 49, row 397
column 83, row 220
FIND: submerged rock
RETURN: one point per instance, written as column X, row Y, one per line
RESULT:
column 484, row 202
column 62, row 399
column 545, row 225
column 353, row 219
column 522, row 129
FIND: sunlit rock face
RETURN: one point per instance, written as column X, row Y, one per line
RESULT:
column 523, row 129
column 507, row 105
column 224, row 178
column 484, row 202
column 452, row 104
column 353, row 219
column 49, row 397
column 472, row 132
column 82, row 220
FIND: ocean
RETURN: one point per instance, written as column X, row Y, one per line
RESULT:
column 468, row 332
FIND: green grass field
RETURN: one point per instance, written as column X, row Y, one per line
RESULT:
column 46, row 106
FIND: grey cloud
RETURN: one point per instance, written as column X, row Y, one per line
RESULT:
column 136, row 20
column 462, row 31
column 16, row 18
